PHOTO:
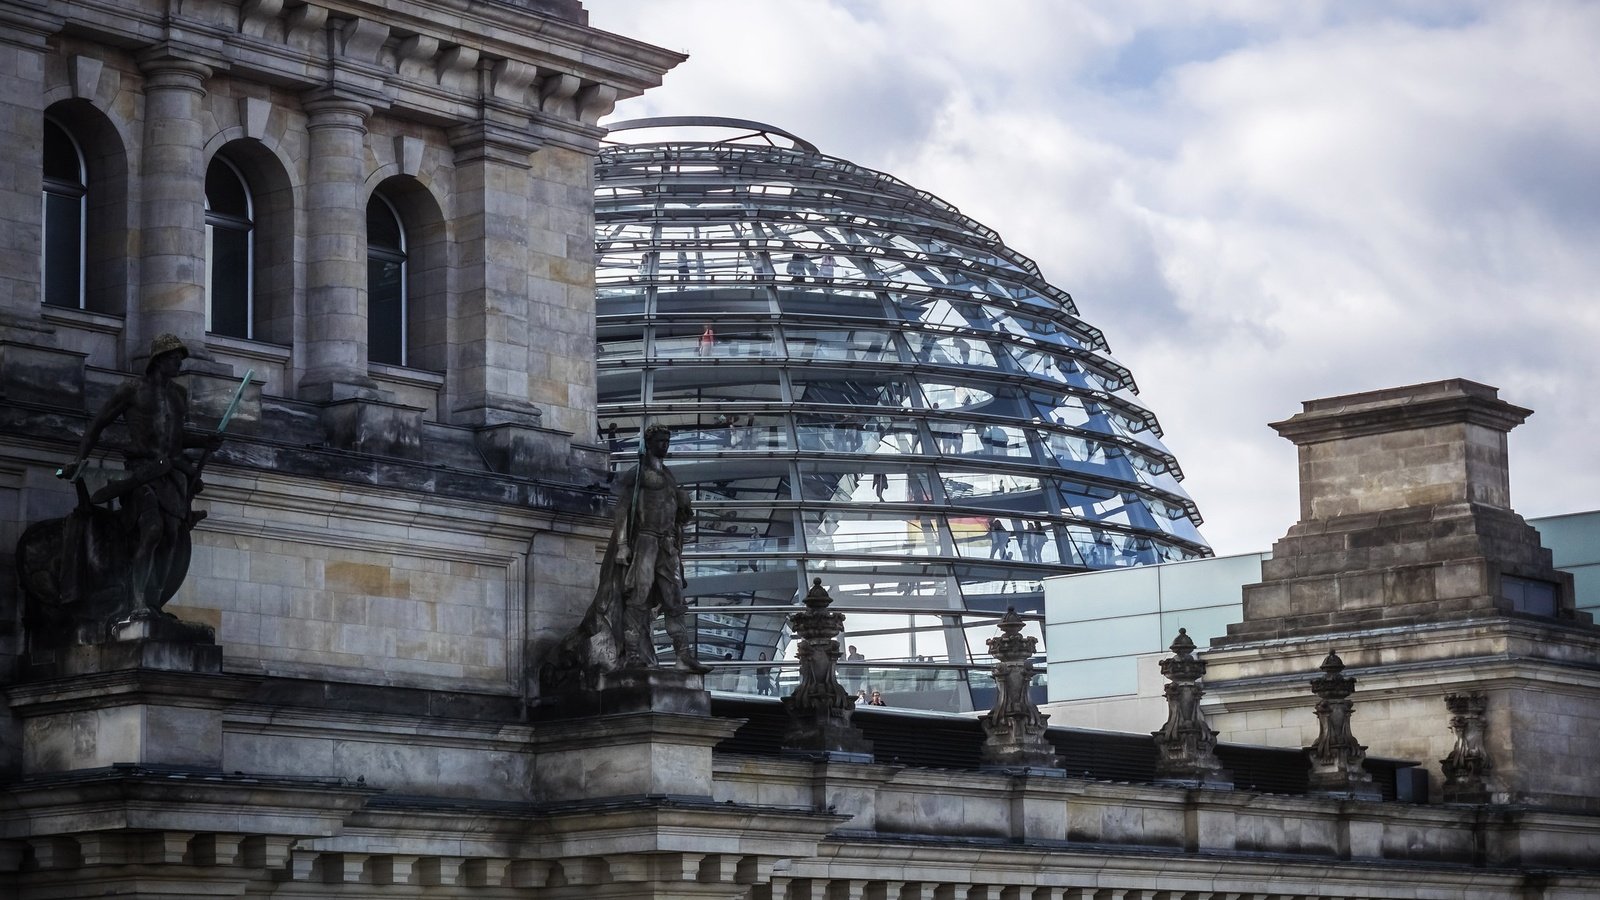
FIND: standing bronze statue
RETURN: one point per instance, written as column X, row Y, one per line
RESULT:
column 642, row 572
column 125, row 550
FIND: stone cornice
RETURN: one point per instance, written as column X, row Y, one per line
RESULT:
column 416, row 58
column 87, row 692
column 1401, row 409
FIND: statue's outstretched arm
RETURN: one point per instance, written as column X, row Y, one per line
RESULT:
column 120, row 400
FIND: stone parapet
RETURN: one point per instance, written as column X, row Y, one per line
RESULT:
column 1542, row 685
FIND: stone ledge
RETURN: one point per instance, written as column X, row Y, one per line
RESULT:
column 1454, row 401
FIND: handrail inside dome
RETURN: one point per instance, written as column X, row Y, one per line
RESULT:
column 711, row 122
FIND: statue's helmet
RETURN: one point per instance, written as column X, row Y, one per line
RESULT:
column 164, row 344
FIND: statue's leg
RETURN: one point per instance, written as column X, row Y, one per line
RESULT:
column 675, row 615
column 161, row 563
column 144, row 568
column 637, row 648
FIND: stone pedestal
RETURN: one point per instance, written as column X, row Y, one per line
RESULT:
column 1408, row 557
column 642, row 732
column 136, row 702
column 374, row 426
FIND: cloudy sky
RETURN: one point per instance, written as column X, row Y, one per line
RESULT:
column 1258, row 202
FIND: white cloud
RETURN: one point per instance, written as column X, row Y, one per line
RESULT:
column 1259, row 203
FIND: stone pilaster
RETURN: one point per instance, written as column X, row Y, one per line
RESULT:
column 24, row 27
column 335, row 366
column 488, row 382
column 172, row 238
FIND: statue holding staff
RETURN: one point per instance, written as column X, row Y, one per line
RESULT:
column 642, row 572
column 124, row 551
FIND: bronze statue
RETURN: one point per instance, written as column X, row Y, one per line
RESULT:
column 103, row 564
column 642, row 572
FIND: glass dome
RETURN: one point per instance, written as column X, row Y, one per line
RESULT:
column 867, row 387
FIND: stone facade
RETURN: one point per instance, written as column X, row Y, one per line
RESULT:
column 1409, row 560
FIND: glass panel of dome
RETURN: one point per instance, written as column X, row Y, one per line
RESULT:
column 675, row 341
column 833, row 304
column 864, row 482
column 988, row 439
column 852, row 387
column 707, row 432
column 857, row 531
column 714, row 384
column 859, row 344
column 618, row 386
column 621, row 342
column 857, row 434
column 706, row 576
column 996, row 490
column 702, row 481
column 619, row 300
column 711, row 302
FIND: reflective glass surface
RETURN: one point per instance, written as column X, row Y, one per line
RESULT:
column 866, row 387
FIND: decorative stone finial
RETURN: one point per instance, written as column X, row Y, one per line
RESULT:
column 1466, row 769
column 1185, row 745
column 1336, row 757
column 1014, row 728
column 819, row 708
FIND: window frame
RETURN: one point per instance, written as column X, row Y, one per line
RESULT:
column 214, row 220
column 52, row 187
column 400, row 255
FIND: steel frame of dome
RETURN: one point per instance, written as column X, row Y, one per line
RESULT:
column 861, row 381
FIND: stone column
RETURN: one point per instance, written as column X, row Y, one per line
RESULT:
column 335, row 354
column 172, row 237
column 23, row 30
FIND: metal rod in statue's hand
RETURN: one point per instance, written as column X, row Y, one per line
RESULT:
column 233, row 405
column 227, row 416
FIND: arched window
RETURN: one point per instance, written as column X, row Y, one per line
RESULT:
column 230, row 252
column 386, row 283
column 65, row 209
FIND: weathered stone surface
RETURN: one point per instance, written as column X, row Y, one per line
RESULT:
column 1409, row 556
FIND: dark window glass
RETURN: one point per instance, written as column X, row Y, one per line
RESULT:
column 64, row 194
column 225, row 192
column 229, row 261
column 386, row 284
column 61, row 160
column 230, row 299
column 383, row 227
column 1529, row 596
column 384, row 308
